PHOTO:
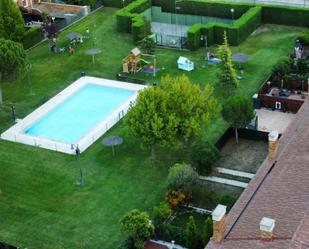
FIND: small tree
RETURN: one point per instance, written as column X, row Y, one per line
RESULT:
column 172, row 112
column 137, row 225
column 208, row 230
column 203, row 155
column 13, row 58
column 227, row 76
column 181, row 176
column 191, row 236
column 238, row 111
column 11, row 21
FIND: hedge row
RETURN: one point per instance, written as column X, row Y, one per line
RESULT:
column 284, row 15
column 129, row 20
column 116, row 3
column 31, row 37
column 203, row 8
column 236, row 33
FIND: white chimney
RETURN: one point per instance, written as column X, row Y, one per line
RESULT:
column 267, row 226
column 219, row 225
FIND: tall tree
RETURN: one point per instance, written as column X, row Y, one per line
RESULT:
column 137, row 225
column 172, row 112
column 208, row 230
column 227, row 75
column 191, row 236
column 13, row 59
column 238, row 111
column 11, row 21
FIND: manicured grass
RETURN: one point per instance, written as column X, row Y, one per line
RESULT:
column 40, row 205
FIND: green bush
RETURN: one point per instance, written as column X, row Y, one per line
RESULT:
column 169, row 232
column 203, row 155
column 32, row 37
column 161, row 213
column 285, row 15
column 304, row 38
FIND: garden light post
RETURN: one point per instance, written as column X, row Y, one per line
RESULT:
column 81, row 180
column 29, row 66
column 232, row 12
column 123, row 3
column 268, row 83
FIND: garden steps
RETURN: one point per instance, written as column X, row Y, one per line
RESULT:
column 235, row 172
column 224, row 181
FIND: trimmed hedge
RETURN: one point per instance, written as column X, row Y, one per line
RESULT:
column 236, row 33
column 286, row 15
column 129, row 20
column 203, row 8
column 115, row 3
column 31, row 37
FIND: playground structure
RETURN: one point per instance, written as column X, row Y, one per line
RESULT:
column 136, row 60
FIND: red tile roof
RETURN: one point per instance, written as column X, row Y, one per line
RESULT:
column 280, row 190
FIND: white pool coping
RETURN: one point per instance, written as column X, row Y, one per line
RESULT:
column 16, row 132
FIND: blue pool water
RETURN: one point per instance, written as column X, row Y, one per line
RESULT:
column 81, row 112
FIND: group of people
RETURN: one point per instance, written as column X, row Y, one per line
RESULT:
column 73, row 42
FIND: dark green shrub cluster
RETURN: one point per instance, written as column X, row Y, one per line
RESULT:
column 203, row 155
column 170, row 232
column 285, row 15
column 31, row 37
column 129, row 20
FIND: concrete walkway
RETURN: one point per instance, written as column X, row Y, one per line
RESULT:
column 235, row 172
column 224, row 181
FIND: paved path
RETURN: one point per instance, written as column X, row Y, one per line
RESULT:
column 235, row 172
column 224, row 181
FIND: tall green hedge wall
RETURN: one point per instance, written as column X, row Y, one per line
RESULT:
column 129, row 20
column 286, row 15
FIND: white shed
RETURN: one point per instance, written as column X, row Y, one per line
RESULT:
column 185, row 64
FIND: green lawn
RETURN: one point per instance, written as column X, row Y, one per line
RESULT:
column 40, row 205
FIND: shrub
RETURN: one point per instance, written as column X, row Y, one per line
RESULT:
column 208, row 230
column 169, row 232
column 181, row 177
column 178, row 198
column 32, row 37
column 283, row 67
column 304, row 38
column 161, row 213
column 203, row 155
column 227, row 200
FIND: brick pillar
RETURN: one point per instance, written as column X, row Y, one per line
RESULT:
column 273, row 145
column 219, row 225
column 267, row 226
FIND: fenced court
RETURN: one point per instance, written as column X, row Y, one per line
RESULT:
column 171, row 28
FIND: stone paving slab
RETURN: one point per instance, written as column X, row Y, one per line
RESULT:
column 224, row 181
column 235, row 172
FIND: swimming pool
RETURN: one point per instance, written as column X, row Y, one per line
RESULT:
column 77, row 116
